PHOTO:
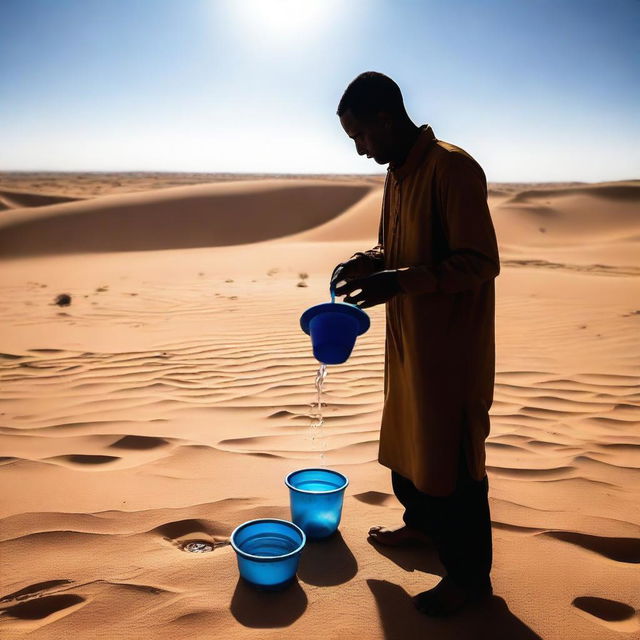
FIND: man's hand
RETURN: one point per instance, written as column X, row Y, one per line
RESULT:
column 375, row 289
column 358, row 266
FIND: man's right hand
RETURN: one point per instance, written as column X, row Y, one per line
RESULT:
column 359, row 266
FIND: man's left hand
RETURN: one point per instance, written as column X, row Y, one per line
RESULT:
column 376, row 289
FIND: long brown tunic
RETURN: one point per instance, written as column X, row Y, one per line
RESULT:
column 439, row 349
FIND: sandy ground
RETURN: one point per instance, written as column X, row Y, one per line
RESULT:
column 168, row 401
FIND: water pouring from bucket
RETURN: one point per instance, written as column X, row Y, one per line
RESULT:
column 333, row 328
column 316, row 494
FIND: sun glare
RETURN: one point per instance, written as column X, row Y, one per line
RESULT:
column 281, row 21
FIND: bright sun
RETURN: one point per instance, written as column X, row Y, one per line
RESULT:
column 284, row 20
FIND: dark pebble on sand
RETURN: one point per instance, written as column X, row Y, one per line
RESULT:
column 63, row 300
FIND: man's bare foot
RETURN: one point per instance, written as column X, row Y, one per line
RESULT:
column 400, row 537
column 447, row 598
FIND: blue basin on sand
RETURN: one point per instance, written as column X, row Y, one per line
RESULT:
column 268, row 552
column 316, row 497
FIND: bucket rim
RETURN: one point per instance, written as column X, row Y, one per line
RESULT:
column 345, row 484
column 252, row 556
column 353, row 310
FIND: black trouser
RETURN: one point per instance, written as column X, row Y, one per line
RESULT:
column 459, row 525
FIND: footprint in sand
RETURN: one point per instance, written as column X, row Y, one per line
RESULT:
column 139, row 443
column 33, row 590
column 42, row 607
column 80, row 458
column 618, row 549
column 610, row 613
column 192, row 536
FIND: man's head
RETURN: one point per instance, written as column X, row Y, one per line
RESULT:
column 371, row 112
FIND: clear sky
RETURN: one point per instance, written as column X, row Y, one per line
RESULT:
column 535, row 90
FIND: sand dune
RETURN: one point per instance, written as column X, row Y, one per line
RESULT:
column 625, row 191
column 564, row 219
column 18, row 199
column 593, row 228
column 570, row 216
column 358, row 222
column 177, row 217
column 165, row 404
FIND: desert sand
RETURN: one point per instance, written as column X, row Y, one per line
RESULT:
column 169, row 399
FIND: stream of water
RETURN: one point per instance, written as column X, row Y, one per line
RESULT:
column 317, row 419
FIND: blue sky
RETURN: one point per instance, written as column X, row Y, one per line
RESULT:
column 535, row 90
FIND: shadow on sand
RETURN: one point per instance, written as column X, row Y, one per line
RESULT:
column 267, row 609
column 324, row 563
column 490, row 620
column 327, row 562
column 421, row 557
column 330, row 562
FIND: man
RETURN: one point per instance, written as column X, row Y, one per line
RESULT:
column 434, row 267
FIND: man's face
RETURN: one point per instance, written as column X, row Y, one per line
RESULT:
column 372, row 137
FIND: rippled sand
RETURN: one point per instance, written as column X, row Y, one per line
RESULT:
column 168, row 401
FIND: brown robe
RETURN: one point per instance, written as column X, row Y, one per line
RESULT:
column 439, row 350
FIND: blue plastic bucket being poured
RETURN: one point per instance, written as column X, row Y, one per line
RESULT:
column 334, row 327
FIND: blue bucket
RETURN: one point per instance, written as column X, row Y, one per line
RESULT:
column 316, row 497
column 333, row 327
column 268, row 551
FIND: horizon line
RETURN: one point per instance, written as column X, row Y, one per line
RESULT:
column 280, row 173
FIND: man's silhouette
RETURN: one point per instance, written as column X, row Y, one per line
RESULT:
column 434, row 267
